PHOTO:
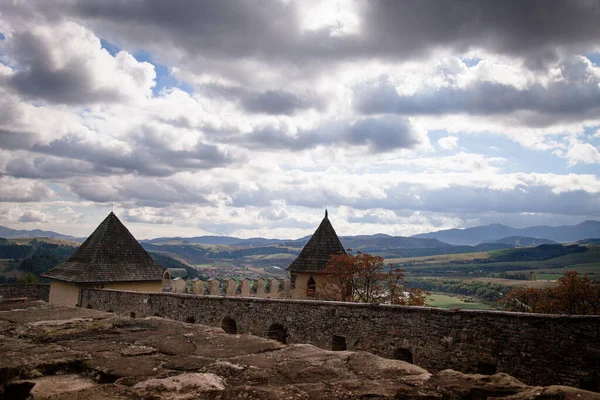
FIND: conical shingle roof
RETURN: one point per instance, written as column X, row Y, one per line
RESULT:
column 315, row 255
column 110, row 254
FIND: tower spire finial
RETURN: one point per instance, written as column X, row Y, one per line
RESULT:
column 325, row 213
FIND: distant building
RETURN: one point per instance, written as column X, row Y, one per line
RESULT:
column 306, row 271
column 111, row 258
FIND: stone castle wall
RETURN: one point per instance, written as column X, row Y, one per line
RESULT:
column 32, row 292
column 267, row 288
column 538, row 349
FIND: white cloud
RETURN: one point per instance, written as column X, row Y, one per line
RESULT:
column 448, row 142
column 582, row 153
column 23, row 190
column 276, row 127
column 65, row 63
column 35, row 216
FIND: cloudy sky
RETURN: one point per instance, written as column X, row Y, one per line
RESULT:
column 247, row 117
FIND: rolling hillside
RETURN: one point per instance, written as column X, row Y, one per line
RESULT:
column 523, row 241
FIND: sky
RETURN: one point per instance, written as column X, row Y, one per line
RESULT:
column 248, row 118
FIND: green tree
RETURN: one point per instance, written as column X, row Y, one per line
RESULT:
column 28, row 278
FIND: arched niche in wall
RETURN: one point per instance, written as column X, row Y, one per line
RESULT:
column 277, row 332
column 229, row 326
column 403, row 354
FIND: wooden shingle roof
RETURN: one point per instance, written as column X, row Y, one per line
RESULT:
column 315, row 255
column 110, row 254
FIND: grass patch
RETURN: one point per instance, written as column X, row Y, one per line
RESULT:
column 546, row 282
column 60, row 242
column 215, row 264
column 276, row 256
column 592, row 268
column 441, row 258
column 549, row 276
column 501, row 281
column 449, row 301
column 499, row 252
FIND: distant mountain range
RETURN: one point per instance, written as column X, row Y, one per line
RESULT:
column 8, row 233
column 222, row 241
column 494, row 232
column 483, row 237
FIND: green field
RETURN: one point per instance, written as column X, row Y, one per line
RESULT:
column 501, row 281
column 447, row 301
column 62, row 242
column 441, row 258
column 276, row 256
column 592, row 268
column 538, row 284
column 215, row 264
column 468, row 265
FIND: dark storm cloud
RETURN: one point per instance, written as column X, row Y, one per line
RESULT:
column 230, row 27
column 13, row 140
column 213, row 36
column 532, row 199
column 574, row 97
column 537, row 30
column 145, row 152
column 378, row 134
column 411, row 197
column 274, row 102
column 163, row 192
column 149, row 161
column 461, row 199
column 48, row 167
column 139, row 191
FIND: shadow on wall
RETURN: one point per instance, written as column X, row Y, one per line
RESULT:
column 229, row 325
column 403, row 354
column 338, row 343
column 277, row 332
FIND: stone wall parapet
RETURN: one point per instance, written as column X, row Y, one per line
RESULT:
column 29, row 291
column 538, row 349
column 271, row 288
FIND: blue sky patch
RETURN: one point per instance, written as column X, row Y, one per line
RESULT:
column 111, row 48
column 518, row 158
column 164, row 77
column 470, row 62
column 594, row 58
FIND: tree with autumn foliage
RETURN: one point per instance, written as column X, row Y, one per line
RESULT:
column 573, row 295
column 365, row 278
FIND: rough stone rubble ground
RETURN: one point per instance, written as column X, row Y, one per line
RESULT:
column 48, row 352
